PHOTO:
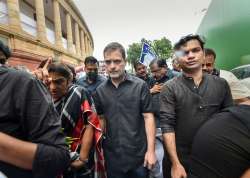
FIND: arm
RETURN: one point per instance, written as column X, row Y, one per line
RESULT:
column 17, row 152
column 41, row 124
column 168, row 122
column 228, row 100
column 150, row 157
column 147, row 110
column 87, row 142
column 156, row 88
column 177, row 170
column 246, row 174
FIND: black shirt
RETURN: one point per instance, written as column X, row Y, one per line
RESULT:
column 148, row 79
column 123, row 109
column 221, row 147
column 156, row 96
column 27, row 113
column 185, row 107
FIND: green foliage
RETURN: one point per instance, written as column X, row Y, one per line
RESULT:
column 134, row 52
column 162, row 48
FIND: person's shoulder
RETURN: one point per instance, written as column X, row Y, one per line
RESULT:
column 101, row 78
column 215, row 78
column 102, row 85
column 19, row 75
column 135, row 79
column 81, row 80
column 173, row 81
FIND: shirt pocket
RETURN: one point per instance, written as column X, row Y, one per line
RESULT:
column 212, row 108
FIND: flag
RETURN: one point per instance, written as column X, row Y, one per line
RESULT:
column 147, row 54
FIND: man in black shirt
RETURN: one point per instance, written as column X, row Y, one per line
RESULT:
column 187, row 102
column 124, row 102
column 32, row 144
column 161, row 74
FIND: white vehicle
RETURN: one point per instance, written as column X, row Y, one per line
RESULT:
column 242, row 72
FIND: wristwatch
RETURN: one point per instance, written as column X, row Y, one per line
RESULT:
column 85, row 161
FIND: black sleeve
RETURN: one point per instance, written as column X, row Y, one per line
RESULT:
column 146, row 99
column 228, row 100
column 167, row 109
column 42, row 125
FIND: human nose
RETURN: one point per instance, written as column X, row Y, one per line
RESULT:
column 52, row 86
column 112, row 65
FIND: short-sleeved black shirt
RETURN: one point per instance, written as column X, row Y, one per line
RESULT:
column 123, row 108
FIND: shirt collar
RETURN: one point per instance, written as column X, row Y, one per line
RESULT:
column 204, row 76
column 127, row 77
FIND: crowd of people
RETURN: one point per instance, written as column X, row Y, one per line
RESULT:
column 191, row 121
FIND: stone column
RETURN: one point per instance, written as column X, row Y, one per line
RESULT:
column 82, row 44
column 41, row 26
column 69, row 33
column 13, row 13
column 57, row 21
column 77, row 37
column 86, row 45
column 91, row 48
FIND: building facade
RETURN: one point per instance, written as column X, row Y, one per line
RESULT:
column 38, row 29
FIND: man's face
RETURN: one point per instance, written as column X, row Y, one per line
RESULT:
column 91, row 68
column 115, row 64
column 91, row 71
column 193, row 56
column 157, row 72
column 58, row 85
column 141, row 70
column 208, row 64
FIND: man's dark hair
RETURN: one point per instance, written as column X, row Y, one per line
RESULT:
column 73, row 72
column 113, row 47
column 209, row 51
column 61, row 69
column 6, row 51
column 91, row 60
column 136, row 64
column 159, row 62
column 188, row 38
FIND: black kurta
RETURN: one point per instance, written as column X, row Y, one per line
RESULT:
column 185, row 107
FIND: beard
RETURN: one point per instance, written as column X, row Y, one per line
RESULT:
column 116, row 74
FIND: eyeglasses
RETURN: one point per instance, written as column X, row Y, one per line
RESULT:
column 116, row 61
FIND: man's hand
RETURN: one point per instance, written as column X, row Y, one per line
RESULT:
column 156, row 88
column 42, row 73
column 77, row 164
column 178, row 171
column 149, row 160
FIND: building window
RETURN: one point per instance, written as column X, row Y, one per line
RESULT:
column 28, row 17
column 3, row 12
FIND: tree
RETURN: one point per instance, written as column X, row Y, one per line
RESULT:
column 162, row 48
